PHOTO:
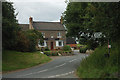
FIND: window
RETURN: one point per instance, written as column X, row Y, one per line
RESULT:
column 43, row 34
column 42, row 44
column 59, row 34
column 52, row 36
column 60, row 43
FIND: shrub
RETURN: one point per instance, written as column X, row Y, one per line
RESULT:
column 98, row 65
column 92, row 44
column 54, row 54
column 66, row 48
column 51, row 53
column 83, row 49
column 46, row 49
column 48, row 53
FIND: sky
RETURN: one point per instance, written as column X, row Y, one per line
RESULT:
column 40, row 10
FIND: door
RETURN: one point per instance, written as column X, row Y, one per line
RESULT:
column 51, row 45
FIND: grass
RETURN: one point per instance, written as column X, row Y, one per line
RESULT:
column 78, row 45
column 98, row 66
column 12, row 60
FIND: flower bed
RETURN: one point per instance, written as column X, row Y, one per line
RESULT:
column 58, row 53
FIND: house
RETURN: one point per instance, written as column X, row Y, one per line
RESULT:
column 54, row 33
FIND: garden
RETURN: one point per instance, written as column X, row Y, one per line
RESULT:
column 65, row 51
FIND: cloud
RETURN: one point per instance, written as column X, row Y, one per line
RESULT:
column 44, row 10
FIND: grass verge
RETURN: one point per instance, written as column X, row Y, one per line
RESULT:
column 12, row 60
column 99, row 66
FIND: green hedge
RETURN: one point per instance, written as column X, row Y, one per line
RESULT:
column 66, row 48
column 83, row 49
column 51, row 53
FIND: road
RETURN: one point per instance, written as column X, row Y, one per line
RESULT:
column 61, row 67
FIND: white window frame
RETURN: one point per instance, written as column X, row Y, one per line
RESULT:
column 45, row 44
column 59, row 35
column 57, row 43
column 43, row 34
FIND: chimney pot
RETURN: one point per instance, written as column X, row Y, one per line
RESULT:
column 61, row 20
column 30, row 23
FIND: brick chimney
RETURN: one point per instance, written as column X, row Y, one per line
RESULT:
column 61, row 20
column 30, row 23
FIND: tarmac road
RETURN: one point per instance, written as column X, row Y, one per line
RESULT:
column 61, row 67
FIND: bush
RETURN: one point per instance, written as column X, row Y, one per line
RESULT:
column 47, row 49
column 54, row 54
column 51, row 53
column 99, row 66
column 83, row 49
column 27, row 40
column 66, row 48
column 48, row 53
column 92, row 44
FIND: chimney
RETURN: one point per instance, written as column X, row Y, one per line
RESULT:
column 30, row 23
column 61, row 20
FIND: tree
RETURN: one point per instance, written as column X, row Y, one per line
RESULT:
column 73, row 18
column 9, row 26
column 89, row 18
column 33, row 37
column 105, row 19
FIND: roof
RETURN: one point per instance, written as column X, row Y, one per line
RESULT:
column 70, row 40
column 24, row 26
column 48, row 26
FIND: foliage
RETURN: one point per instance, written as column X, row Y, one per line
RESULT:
column 46, row 49
column 51, row 53
column 83, row 49
column 92, row 44
column 98, row 66
column 13, row 60
column 89, row 18
column 27, row 41
column 10, row 28
column 33, row 37
column 73, row 18
column 22, row 43
column 66, row 48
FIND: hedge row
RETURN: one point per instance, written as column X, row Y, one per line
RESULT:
column 83, row 49
column 56, row 53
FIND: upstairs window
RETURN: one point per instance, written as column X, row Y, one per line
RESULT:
column 59, row 34
column 43, row 34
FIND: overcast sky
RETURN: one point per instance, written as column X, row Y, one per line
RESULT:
column 40, row 10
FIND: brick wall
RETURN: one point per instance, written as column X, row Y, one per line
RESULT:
column 48, row 35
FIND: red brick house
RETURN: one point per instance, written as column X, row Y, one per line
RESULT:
column 54, row 33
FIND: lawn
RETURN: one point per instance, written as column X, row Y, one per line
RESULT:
column 12, row 60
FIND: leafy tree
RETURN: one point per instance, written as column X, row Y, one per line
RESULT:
column 33, row 37
column 104, row 18
column 73, row 18
column 9, row 26
column 13, row 37
column 89, row 18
